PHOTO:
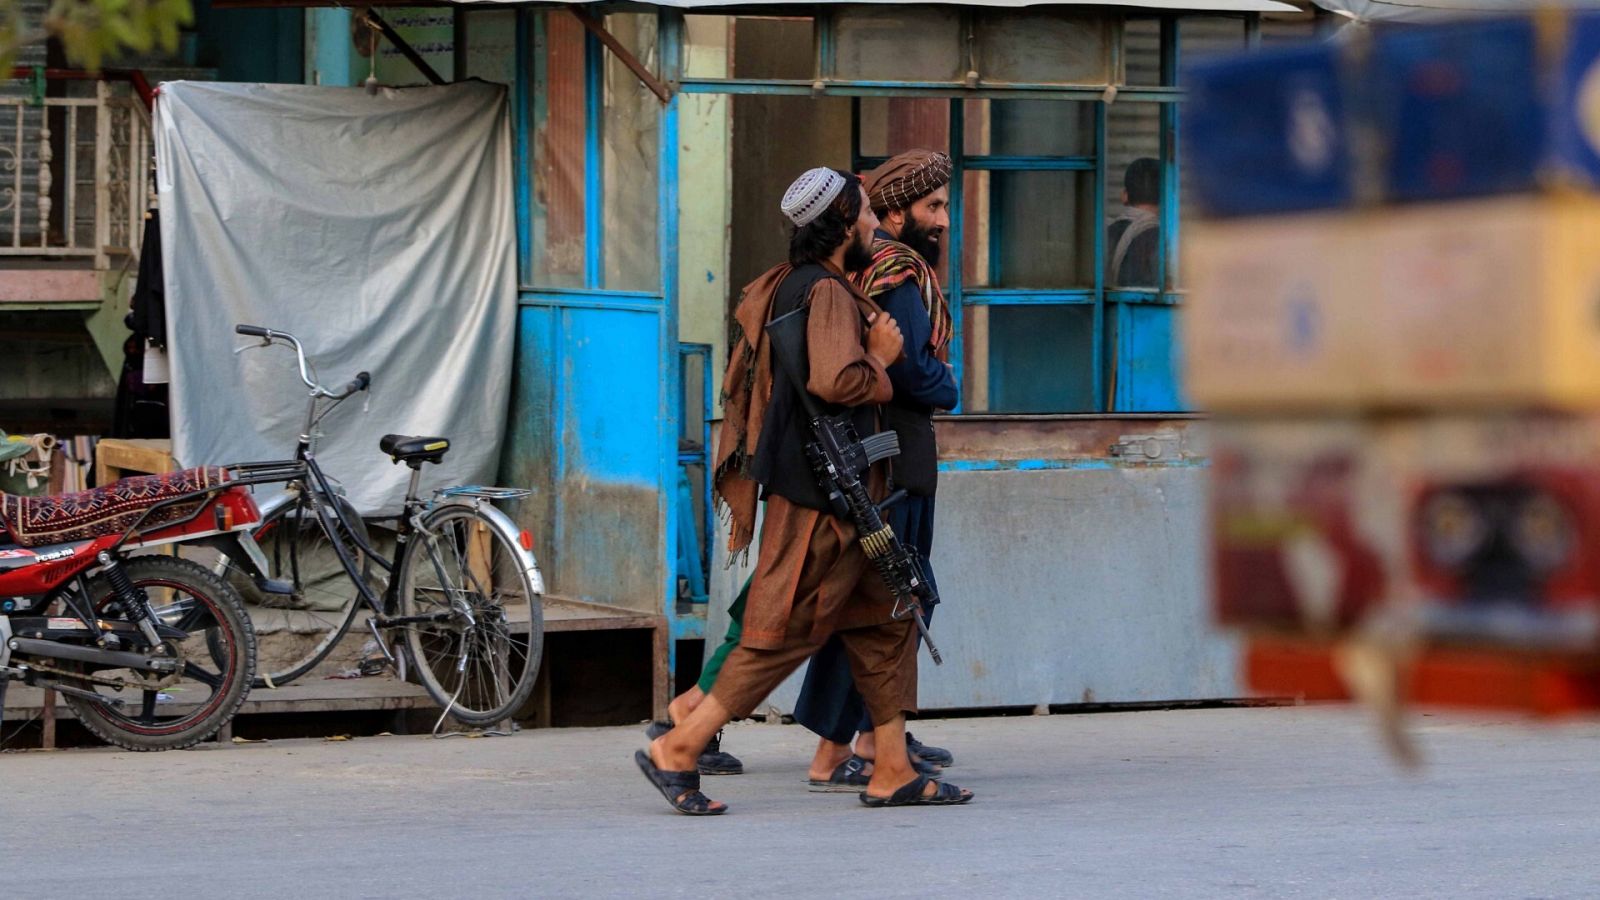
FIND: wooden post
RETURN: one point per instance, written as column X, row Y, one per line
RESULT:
column 543, row 702
column 661, row 682
column 480, row 555
column 48, row 741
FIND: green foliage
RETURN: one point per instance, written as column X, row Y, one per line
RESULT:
column 92, row 31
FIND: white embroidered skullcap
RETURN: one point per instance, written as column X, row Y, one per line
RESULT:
column 810, row 195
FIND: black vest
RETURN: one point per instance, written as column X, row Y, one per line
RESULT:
column 780, row 463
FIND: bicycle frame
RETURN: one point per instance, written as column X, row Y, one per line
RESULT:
column 316, row 487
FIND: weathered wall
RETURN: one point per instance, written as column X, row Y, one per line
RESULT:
column 705, row 180
column 1068, row 576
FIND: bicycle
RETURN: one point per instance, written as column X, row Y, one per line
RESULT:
column 464, row 596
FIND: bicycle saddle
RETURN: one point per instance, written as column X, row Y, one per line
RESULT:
column 414, row 451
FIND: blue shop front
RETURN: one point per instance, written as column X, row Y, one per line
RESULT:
column 654, row 141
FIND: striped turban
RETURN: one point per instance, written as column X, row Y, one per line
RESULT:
column 906, row 178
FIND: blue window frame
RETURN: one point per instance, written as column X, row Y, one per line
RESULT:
column 1042, row 327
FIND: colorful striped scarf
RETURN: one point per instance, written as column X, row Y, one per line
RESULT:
column 892, row 264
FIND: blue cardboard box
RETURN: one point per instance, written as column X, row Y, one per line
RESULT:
column 1417, row 114
column 1266, row 132
column 1482, row 108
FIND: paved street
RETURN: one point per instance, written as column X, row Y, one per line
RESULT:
column 1216, row 803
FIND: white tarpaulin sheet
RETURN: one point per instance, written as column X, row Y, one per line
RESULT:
column 379, row 230
column 1435, row 10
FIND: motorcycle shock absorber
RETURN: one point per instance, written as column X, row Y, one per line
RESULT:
column 135, row 603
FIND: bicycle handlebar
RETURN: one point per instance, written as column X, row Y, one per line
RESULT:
column 360, row 383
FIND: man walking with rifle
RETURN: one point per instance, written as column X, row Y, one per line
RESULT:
column 910, row 195
column 792, row 435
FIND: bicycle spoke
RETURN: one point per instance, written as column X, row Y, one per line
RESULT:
column 474, row 659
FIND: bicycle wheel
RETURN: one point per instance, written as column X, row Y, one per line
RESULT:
column 298, row 631
column 471, row 613
column 180, row 710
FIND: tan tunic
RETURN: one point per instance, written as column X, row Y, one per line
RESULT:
column 805, row 553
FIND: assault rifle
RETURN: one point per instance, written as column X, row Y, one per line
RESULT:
column 839, row 459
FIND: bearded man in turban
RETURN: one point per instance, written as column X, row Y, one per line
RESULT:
column 812, row 578
column 910, row 195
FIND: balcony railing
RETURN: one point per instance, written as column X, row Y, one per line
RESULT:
column 74, row 169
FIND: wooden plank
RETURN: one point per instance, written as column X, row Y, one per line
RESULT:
column 323, row 695
column 116, row 456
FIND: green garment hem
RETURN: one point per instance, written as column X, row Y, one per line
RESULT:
column 713, row 666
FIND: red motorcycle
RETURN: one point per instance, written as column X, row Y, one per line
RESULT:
column 151, row 651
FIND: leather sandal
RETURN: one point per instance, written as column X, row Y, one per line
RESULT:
column 681, row 789
column 911, row 795
column 848, row 778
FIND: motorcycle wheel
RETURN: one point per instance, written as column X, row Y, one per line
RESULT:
column 216, row 674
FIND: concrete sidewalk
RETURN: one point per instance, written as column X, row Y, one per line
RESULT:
column 1295, row 802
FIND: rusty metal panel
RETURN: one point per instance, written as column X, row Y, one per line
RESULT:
column 1070, row 574
column 528, row 459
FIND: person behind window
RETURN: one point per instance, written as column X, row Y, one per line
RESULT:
column 1133, row 239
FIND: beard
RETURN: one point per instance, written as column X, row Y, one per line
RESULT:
column 922, row 240
column 858, row 256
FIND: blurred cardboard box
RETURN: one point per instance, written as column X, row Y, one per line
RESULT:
column 1478, row 108
column 1408, row 115
column 1267, row 132
column 1275, row 318
column 1474, row 530
column 1298, row 514
column 1488, row 304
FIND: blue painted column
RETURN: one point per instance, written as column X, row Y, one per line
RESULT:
column 330, row 46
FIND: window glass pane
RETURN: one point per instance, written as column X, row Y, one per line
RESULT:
column 1288, row 28
column 557, row 150
column 1133, row 195
column 630, row 138
column 1201, row 36
column 1041, row 228
column 814, row 132
column 1044, row 47
column 1031, row 127
column 899, row 44
column 976, row 229
column 1141, row 52
column 490, row 38
column 1029, row 359
column 768, row 47
column 890, row 125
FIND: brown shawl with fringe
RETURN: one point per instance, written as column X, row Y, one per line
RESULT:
column 745, row 390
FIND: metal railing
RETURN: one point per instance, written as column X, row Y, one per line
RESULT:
column 75, row 170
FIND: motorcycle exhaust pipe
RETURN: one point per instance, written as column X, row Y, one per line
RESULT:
column 111, row 658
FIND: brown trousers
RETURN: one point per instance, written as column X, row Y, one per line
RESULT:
column 883, row 659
